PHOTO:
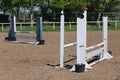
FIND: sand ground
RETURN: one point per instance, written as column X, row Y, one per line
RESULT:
column 31, row 62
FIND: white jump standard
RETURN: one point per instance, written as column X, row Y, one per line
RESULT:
column 81, row 49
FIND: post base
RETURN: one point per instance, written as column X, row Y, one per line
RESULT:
column 41, row 42
column 10, row 39
column 79, row 68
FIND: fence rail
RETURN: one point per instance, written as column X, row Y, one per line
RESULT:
column 21, row 24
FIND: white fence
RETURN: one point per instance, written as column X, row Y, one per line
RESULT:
column 20, row 24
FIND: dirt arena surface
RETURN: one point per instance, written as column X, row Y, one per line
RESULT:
column 31, row 62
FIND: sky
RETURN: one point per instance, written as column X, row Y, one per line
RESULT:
column 36, row 9
column 1, row 12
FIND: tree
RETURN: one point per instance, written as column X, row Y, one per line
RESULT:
column 68, row 3
column 44, row 6
column 100, row 6
column 96, row 7
column 113, row 5
column 17, row 4
column 5, row 5
column 13, row 6
column 72, row 8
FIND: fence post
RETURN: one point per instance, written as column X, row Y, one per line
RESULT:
column 116, row 24
column 70, row 26
column 20, row 26
column 2, row 28
column 54, row 26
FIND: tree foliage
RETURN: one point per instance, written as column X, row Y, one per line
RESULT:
column 5, row 5
column 70, row 7
column 67, row 3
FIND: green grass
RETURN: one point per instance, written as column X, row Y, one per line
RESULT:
column 112, row 26
column 50, row 28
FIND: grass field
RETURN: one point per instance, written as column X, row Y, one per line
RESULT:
column 56, row 28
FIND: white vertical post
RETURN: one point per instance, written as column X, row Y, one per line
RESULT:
column 85, row 17
column 105, row 34
column 62, row 41
column 106, row 55
column 81, row 40
column 14, row 18
column 85, row 27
